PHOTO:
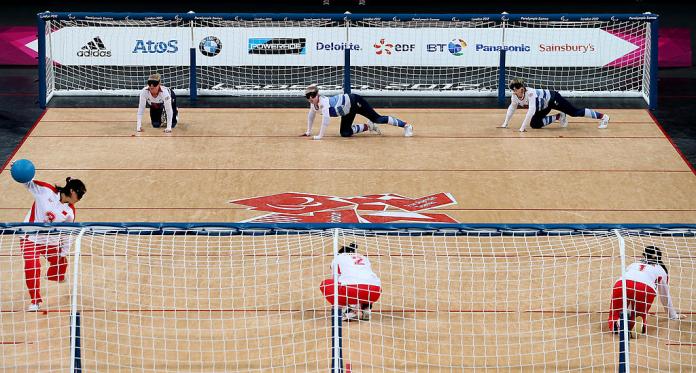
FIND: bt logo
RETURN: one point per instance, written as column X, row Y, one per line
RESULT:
column 151, row 46
column 455, row 47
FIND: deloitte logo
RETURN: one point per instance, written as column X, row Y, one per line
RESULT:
column 456, row 47
column 94, row 48
column 210, row 46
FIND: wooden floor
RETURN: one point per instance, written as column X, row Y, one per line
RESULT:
column 628, row 173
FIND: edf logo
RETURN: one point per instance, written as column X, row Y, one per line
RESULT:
column 385, row 47
column 151, row 46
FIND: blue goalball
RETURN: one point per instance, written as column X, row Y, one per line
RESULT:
column 22, row 170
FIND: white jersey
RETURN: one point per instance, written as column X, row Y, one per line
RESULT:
column 534, row 99
column 654, row 276
column 354, row 269
column 334, row 106
column 47, row 208
column 164, row 97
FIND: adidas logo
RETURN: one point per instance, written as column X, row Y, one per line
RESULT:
column 95, row 48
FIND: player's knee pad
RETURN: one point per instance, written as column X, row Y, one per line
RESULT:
column 348, row 133
column 156, row 124
column 537, row 124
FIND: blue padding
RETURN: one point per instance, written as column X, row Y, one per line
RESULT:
column 217, row 229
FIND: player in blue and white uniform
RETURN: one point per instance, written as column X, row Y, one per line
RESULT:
column 540, row 102
column 159, row 98
column 347, row 106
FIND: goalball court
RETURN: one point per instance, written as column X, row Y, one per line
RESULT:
column 472, row 301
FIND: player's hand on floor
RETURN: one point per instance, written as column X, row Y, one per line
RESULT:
column 304, row 135
column 680, row 316
column 503, row 126
column 167, row 130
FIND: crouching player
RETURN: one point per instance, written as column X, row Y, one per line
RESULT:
column 642, row 279
column 358, row 286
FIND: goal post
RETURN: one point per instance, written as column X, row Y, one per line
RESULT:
column 442, row 55
column 246, row 297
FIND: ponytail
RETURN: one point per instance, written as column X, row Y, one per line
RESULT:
column 72, row 185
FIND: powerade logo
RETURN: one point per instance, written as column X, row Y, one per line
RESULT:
column 155, row 46
column 454, row 47
column 210, row 46
column 94, row 48
column 277, row 46
column 498, row 48
column 337, row 46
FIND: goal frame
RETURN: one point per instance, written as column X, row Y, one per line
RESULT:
column 335, row 360
column 648, row 89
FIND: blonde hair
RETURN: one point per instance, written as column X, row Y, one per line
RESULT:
column 155, row 76
column 312, row 88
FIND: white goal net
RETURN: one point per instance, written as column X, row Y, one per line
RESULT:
column 247, row 299
column 392, row 55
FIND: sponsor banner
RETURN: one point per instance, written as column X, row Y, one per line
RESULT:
column 313, row 46
column 120, row 46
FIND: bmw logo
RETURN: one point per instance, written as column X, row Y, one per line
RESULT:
column 210, row 46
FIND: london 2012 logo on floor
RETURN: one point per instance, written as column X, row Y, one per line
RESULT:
column 373, row 208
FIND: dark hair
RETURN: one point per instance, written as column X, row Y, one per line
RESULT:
column 75, row 185
column 653, row 255
column 351, row 248
column 516, row 84
column 310, row 94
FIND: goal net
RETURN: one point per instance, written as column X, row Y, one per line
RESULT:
column 386, row 54
column 246, row 298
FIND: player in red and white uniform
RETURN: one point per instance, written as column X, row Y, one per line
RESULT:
column 346, row 106
column 358, row 286
column 52, row 204
column 159, row 98
column 540, row 102
column 643, row 278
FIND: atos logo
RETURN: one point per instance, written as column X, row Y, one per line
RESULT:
column 152, row 46
column 455, row 47
column 384, row 47
column 210, row 46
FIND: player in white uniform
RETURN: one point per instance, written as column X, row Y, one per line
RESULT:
column 358, row 286
column 52, row 204
column 346, row 106
column 642, row 279
column 540, row 102
column 160, row 98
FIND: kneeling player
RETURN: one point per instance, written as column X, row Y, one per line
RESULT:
column 161, row 100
